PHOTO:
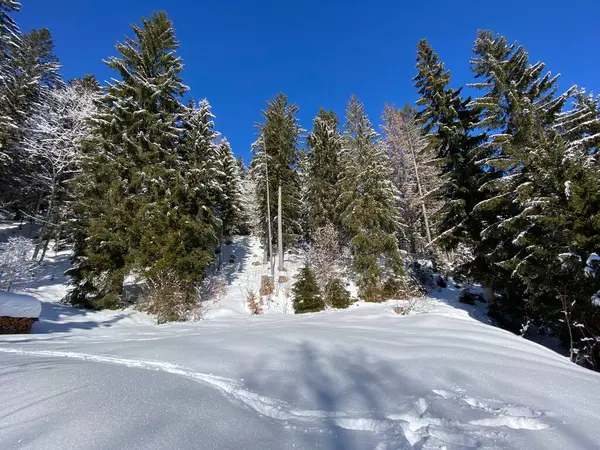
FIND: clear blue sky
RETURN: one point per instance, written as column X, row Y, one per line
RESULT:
column 238, row 54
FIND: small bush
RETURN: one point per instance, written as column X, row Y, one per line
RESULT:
column 168, row 299
column 282, row 279
column 307, row 297
column 254, row 303
column 267, row 287
column 371, row 293
column 232, row 259
column 336, row 294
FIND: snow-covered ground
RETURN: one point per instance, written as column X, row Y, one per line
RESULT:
column 362, row 378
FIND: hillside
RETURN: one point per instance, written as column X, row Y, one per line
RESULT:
column 354, row 379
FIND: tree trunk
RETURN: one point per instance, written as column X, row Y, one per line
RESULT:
column 269, row 221
column 425, row 219
column 280, row 229
column 35, row 214
column 46, row 223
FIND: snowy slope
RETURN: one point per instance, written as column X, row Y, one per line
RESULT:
column 364, row 378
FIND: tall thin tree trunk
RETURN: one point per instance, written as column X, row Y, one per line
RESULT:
column 280, row 229
column 269, row 219
column 425, row 219
column 35, row 214
column 45, row 225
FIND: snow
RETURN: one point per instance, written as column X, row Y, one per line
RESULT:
column 19, row 305
column 361, row 378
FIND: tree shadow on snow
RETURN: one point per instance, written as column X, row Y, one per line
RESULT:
column 344, row 393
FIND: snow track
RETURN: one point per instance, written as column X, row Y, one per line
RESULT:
column 412, row 427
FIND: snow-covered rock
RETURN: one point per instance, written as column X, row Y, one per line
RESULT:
column 19, row 305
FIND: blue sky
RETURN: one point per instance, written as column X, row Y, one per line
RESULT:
column 238, row 54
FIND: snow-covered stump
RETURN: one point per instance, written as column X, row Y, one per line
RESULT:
column 18, row 313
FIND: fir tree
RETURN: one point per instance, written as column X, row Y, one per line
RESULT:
column 307, row 297
column 9, row 44
column 518, row 110
column 324, row 168
column 450, row 121
column 368, row 200
column 275, row 158
column 135, row 187
column 231, row 180
column 336, row 294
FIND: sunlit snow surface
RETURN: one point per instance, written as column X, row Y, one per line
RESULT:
column 363, row 378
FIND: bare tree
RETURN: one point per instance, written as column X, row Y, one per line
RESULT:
column 53, row 141
column 417, row 175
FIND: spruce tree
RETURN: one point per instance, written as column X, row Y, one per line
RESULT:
column 228, row 205
column 369, row 202
column 275, row 157
column 450, row 122
column 307, row 297
column 324, row 169
column 518, row 110
column 10, row 42
column 134, row 183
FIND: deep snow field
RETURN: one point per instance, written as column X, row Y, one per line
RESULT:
column 362, row 378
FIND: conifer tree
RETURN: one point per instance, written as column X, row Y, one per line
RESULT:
column 229, row 208
column 369, row 202
column 324, row 168
column 518, row 109
column 450, row 122
column 307, row 297
column 9, row 44
column 31, row 74
column 275, row 154
column 416, row 176
column 135, row 190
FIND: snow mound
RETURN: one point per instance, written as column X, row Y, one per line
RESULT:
column 19, row 305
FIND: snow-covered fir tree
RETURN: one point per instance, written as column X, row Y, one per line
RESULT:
column 369, row 203
column 450, row 122
column 135, row 191
column 324, row 169
column 274, row 164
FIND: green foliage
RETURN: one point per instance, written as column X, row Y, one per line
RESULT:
column 307, row 297
column 148, row 179
column 336, row 294
column 368, row 200
column 275, row 157
column 451, row 122
column 324, row 171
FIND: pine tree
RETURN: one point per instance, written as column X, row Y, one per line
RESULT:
column 307, row 297
column 135, row 191
column 275, row 156
column 518, row 109
column 336, row 294
column 450, row 122
column 324, row 168
column 230, row 205
column 369, row 202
